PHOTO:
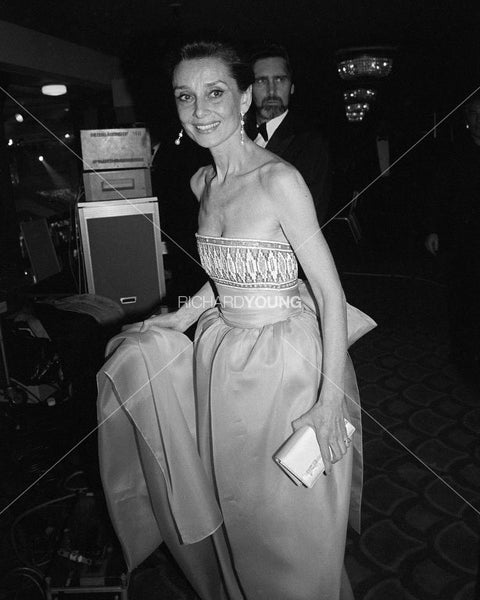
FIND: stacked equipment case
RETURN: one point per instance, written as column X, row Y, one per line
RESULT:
column 119, row 220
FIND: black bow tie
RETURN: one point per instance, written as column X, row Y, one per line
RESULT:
column 262, row 130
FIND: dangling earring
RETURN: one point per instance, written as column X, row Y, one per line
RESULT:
column 242, row 129
column 179, row 138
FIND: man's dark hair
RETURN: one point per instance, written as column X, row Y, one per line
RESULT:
column 272, row 51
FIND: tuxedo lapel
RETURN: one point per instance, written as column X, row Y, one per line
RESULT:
column 282, row 137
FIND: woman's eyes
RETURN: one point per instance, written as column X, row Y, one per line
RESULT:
column 186, row 98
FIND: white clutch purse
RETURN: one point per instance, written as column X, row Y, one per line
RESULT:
column 300, row 456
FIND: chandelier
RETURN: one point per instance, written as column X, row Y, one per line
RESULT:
column 365, row 66
column 359, row 94
column 355, row 116
column 356, row 112
column 357, row 106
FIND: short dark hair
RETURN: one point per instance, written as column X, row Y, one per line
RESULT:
column 239, row 68
column 272, row 51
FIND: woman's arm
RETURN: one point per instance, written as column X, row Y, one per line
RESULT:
column 188, row 313
column 295, row 211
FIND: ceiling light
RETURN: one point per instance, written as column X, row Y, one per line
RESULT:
column 40, row 158
column 10, row 142
column 54, row 89
column 18, row 118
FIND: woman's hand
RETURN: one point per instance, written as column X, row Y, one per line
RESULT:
column 326, row 418
column 169, row 320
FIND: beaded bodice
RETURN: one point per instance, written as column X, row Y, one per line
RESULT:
column 246, row 263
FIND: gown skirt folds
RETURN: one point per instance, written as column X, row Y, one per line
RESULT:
column 188, row 435
column 258, row 367
column 156, row 487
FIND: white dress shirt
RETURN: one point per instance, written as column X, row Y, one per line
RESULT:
column 271, row 128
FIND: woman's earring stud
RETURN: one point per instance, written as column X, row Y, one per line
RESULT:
column 179, row 138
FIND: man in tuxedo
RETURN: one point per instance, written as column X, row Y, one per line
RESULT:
column 453, row 223
column 284, row 131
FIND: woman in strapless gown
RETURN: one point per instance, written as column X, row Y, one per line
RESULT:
column 265, row 363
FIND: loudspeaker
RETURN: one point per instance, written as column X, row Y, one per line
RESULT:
column 122, row 251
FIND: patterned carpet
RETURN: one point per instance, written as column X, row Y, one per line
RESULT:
column 421, row 495
column 421, row 505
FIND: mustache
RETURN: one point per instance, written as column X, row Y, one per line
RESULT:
column 265, row 101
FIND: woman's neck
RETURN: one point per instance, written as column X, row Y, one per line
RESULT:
column 231, row 158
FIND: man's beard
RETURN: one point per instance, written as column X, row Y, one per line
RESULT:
column 272, row 107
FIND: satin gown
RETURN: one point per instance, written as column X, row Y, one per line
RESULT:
column 258, row 366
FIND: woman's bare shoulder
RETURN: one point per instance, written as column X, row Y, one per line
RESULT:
column 286, row 192
column 199, row 180
column 278, row 174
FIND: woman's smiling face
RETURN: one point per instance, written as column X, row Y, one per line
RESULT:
column 208, row 100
